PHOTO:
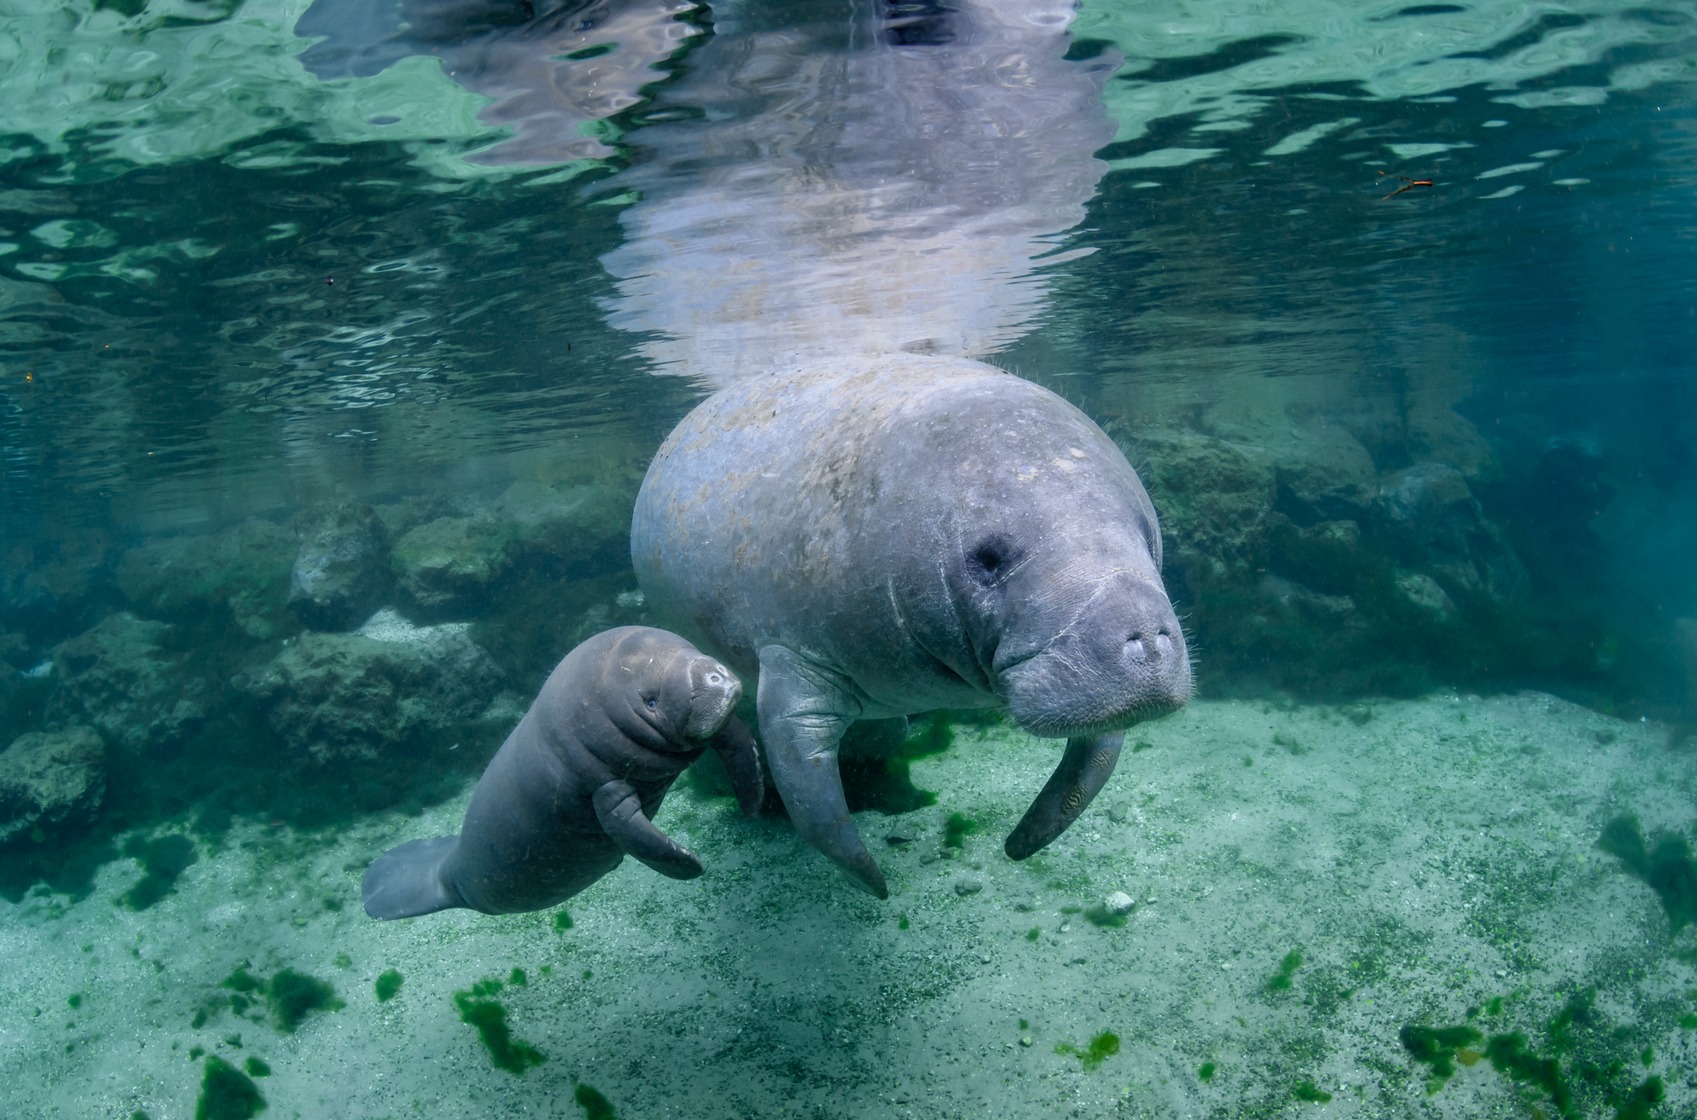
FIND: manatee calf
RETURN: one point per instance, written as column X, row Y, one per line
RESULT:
column 883, row 536
column 576, row 785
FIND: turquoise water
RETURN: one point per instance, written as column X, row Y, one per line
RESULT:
column 1391, row 305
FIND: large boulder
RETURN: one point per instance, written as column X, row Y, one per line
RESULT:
column 385, row 690
column 1434, row 524
column 51, row 587
column 1215, row 500
column 243, row 569
column 50, row 781
column 341, row 571
column 124, row 678
column 449, row 567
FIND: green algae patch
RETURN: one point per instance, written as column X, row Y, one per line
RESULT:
column 1308, row 1091
column 1280, row 981
column 1667, row 867
column 1439, row 1047
column 1206, row 1072
column 562, row 920
column 257, row 1067
column 1104, row 1045
column 226, row 1093
column 479, row 1008
column 595, row 1106
column 295, row 995
column 163, row 860
column 387, row 985
column 1641, row 1100
column 957, row 828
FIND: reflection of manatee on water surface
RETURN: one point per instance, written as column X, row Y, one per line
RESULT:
column 552, row 68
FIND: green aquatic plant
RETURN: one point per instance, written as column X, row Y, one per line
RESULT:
column 957, row 828
column 162, row 861
column 479, row 1008
column 257, row 1067
column 1438, row 1047
column 595, row 1106
column 1206, row 1071
column 1104, row 1045
column 1642, row 1099
column 1308, row 1091
column 74, row 1000
column 1280, row 981
column 295, row 995
column 517, row 978
column 1099, row 915
column 1509, row 1056
column 1668, row 867
column 388, row 983
column 226, row 1093
column 562, row 920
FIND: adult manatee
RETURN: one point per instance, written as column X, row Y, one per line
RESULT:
column 884, row 536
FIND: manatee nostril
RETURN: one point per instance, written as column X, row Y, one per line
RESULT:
column 1136, row 648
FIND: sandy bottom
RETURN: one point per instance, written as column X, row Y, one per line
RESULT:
column 1431, row 863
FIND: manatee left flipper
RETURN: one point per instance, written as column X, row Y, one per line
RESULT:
column 619, row 809
column 741, row 759
column 804, row 710
column 1085, row 768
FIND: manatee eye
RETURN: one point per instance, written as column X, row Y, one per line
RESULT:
column 990, row 560
column 653, row 704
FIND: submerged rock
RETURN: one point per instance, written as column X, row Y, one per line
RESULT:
column 244, row 569
column 50, row 781
column 1436, row 525
column 123, row 678
column 341, row 572
column 448, row 568
column 372, row 693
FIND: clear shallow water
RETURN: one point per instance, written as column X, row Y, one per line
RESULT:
column 259, row 259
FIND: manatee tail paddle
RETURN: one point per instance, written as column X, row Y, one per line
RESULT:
column 407, row 881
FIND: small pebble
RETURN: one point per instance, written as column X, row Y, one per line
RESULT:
column 1118, row 814
column 965, row 887
column 1025, row 1040
column 1025, row 906
column 1118, row 903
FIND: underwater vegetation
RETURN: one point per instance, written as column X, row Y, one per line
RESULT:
column 479, row 1008
column 1280, row 981
column 594, row 1105
column 290, row 995
column 162, row 860
column 295, row 995
column 957, row 828
column 1104, row 1045
column 1583, row 1055
column 226, row 1093
column 387, row 985
column 1668, row 867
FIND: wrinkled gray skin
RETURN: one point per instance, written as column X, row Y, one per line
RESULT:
column 575, row 787
column 885, row 536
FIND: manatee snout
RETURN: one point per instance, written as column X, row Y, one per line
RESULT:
column 714, row 693
column 1123, row 660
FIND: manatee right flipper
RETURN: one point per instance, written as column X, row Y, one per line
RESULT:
column 407, row 881
column 741, row 760
column 619, row 809
column 1085, row 768
column 803, row 714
